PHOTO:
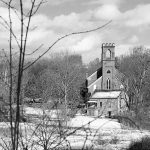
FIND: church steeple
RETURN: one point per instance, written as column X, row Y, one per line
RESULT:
column 108, row 65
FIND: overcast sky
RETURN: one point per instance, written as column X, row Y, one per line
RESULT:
column 130, row 25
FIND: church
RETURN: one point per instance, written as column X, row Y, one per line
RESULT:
column 105, row 85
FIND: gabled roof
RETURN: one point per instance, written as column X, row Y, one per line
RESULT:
column 94, row 82
column 93, row 77
column 105, row 94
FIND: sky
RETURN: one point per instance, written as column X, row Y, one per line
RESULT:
column 130, row 26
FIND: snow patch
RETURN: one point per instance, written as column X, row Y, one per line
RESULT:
column 93, row 123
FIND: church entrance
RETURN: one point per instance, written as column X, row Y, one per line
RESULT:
column 109, row 114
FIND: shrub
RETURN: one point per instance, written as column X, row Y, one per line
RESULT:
column 143, row 144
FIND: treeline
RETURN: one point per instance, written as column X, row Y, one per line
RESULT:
column 136, row 68
column 61, row 78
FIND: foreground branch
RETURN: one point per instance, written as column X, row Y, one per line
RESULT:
column 59, row 39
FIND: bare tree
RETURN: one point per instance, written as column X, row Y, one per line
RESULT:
column 62, row 80
column 21, row 41
column 137, row 71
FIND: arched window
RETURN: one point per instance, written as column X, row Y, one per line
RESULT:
column 108, row 71
column 108, row 84
column 108, row 53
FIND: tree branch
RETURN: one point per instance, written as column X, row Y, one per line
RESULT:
column 74, row 33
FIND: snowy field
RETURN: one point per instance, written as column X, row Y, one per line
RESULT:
column 85, row 131
column 103, row 133
column 94, row 123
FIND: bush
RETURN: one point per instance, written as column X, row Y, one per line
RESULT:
column 143, row 144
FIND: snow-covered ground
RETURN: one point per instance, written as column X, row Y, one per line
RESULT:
column 94, row 123
column 39, row 112
column 99, row 133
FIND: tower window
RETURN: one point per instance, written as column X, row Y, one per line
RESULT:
column 108, row 84
column 108, row 53
column 108, row 71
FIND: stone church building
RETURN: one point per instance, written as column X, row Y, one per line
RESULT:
column 106, row 87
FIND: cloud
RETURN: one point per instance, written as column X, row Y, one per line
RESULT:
column 72, row 22
column 87, row 43
column 45, row 30
column 137, row 16
column 134, row 39
column 40, row 21
column 40, row 35
column 103, row 2
column 27, row 3
column 107, row 12
column 57, row 2
column 5, row 25
column 5, row 17
column 66, row 21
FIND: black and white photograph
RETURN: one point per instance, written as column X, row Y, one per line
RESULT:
column 74, row 74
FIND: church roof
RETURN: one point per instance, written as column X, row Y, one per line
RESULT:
column 105, row 94
column 93, row 77
column 95, row 82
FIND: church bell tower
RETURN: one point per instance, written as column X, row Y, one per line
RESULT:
column 108, row 65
